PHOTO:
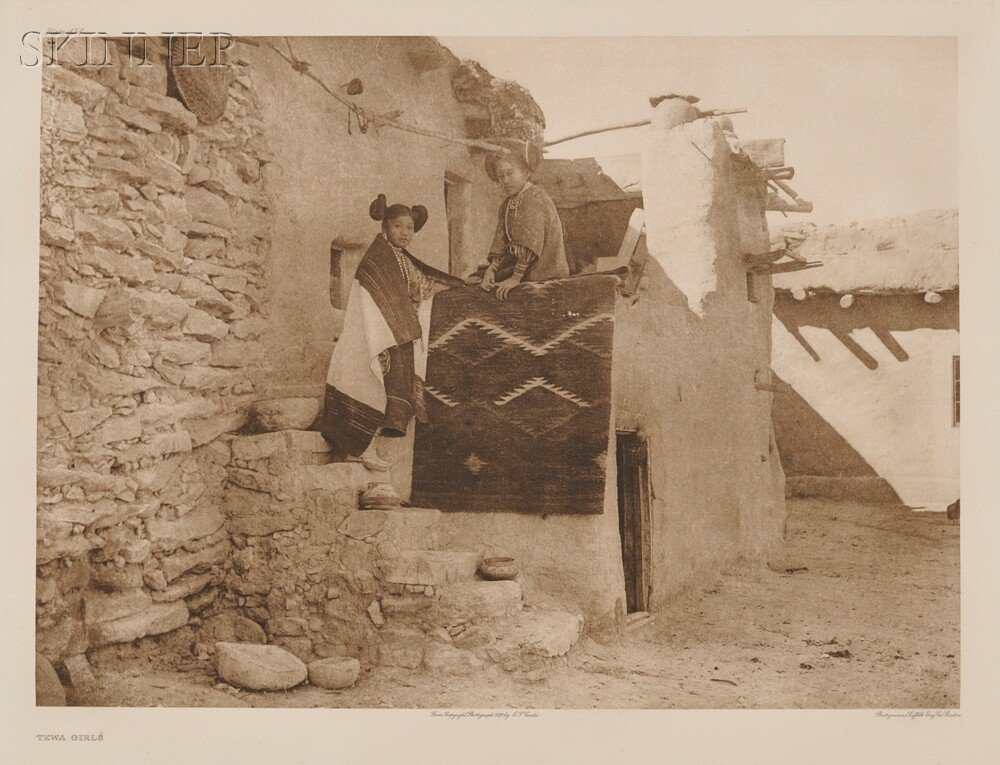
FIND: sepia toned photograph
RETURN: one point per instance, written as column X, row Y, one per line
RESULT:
column 524, row 373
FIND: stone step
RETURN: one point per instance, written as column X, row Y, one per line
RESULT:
column 343, row 481
column 409, row 648
column 293, row 446
column 536, row 634
column 470, row 601
column 525, row 644
column 429, row 567
column 404, row 528
column 455, row 604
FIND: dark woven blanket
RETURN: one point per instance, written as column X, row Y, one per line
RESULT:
column 519, row 399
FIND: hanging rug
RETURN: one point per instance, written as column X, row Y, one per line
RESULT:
column 518, row 395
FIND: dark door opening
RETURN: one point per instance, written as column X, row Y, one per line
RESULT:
column 633, row 517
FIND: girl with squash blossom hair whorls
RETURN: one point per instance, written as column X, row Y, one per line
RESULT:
column 374, row 385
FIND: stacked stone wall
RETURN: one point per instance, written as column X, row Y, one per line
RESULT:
column 154, row 249
column 307, row 585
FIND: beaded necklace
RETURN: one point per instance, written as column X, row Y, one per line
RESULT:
column 514, row 202
column 400, row 261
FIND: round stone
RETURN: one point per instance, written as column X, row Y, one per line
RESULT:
column 258, row 667
column 286, row 413
column 334, row 673
column 48, row 690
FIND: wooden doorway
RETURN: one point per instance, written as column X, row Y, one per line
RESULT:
column 633, row 517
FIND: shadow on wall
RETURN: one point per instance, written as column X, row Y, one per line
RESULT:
column 882, row 314
column 817, row 459
column 595, row 230
column 806, row 440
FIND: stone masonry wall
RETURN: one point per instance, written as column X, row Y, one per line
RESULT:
column 154, row 249
column 292, row 572
column 322, row 577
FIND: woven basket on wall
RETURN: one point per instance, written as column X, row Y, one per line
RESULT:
column 204, row 89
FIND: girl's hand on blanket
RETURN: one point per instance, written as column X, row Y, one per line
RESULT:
column 488, row 279
column 504, row 287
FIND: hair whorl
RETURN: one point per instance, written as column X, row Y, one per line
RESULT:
column 377, row 208
column 419, row 217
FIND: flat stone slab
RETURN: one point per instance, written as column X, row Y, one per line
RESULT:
column 430, row 567
column 406, row 528
column 258, row 667
column 336, row 476
column 200, row 522
column 440, row 657
column 334, row 673
column 539, row 633
column 184, row 587
column 106, row 607
column 155, row 620
column 266, row 445
column 286, row 413
column 179, row 563
column 469, row 601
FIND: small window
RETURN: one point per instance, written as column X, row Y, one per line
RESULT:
column 955, row 397
column 337, row 298
column 751, row 287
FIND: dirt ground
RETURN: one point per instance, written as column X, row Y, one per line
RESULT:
column 861, row 611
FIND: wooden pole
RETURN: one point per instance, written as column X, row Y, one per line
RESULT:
column 773, row 387
column 784, row 268
column 751, row 260
column 721, row 112
column 582, row 133
column 637, row 123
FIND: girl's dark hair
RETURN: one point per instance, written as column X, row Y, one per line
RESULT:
column 378, row 210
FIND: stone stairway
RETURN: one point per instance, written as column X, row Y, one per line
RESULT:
column 326, row 577
column 433, row 612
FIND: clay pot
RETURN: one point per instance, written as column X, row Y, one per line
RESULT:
column 379, row 496
column 496, row 569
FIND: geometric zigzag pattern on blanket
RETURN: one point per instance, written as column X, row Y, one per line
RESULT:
column 519, row 399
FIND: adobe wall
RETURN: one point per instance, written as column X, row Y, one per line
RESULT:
column 323, row 178
column 684, row 367
column 870, row 415
column 688, row 351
